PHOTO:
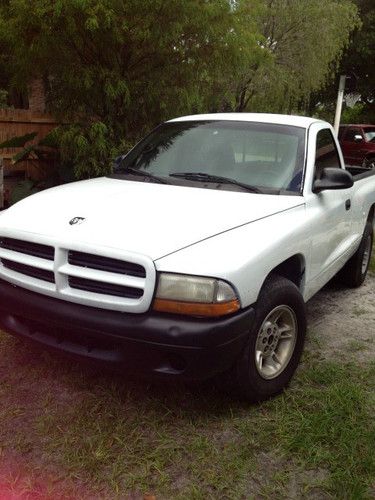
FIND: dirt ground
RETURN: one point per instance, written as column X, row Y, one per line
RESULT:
column 341, row 322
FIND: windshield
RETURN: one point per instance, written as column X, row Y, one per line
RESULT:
column 221, row 155
column 370, row 134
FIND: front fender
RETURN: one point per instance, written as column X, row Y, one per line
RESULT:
column 246, row 255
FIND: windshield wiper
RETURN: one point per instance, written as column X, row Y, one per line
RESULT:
column 203, row 177
column 135, row 171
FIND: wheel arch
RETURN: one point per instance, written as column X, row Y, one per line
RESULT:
column 292, row 269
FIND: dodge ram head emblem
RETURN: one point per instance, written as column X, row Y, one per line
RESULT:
column 76, row 220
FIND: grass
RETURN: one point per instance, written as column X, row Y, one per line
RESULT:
column 74, row 432
column 357, row 345
column 70, row 429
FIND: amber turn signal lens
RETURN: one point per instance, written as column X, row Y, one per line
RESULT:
column 195, row 308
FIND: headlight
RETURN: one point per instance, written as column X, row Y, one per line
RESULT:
column 194, row 296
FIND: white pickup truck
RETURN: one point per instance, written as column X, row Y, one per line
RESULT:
column 196, row 256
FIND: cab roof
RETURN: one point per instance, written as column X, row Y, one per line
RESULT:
column 292, row 120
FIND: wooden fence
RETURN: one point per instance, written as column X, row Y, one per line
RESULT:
column 18, row 122
column 15, row 123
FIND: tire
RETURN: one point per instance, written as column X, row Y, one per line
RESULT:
column 254, row 380
column 353, row 274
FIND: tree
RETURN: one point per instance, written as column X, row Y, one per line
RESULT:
column 116, row 68
column 360, row 55
column 304, row 40
column 4, row 57
column 357, row 60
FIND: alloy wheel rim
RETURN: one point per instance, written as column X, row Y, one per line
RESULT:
column 275, row 342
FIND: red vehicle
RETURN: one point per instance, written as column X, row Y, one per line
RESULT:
column 358, row 144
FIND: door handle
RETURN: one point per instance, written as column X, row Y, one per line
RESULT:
column 348, row 204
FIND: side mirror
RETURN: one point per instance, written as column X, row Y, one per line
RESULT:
column 333, row 178
column 358, row 138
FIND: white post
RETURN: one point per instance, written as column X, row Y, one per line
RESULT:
column 340, row 98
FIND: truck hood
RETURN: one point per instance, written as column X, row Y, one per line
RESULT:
column 141, row 217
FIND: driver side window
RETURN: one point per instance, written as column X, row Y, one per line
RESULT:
column 326, row 152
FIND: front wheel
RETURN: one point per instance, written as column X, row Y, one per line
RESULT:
column 275, row 342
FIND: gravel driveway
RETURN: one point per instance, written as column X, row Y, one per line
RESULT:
column 342, row 322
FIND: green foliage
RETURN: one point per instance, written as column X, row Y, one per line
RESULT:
column 360, row 55
column 117, row 68
column 124, row 60
column 3, row 98
column 354, row 114
column 23, row 189
column 18, row 142
column 44, row 149
column 304, row 40
column 125, row 64
column 358, row 59
column 5, row 53
column 89, row 148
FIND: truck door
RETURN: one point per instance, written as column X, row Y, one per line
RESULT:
column 331, row 214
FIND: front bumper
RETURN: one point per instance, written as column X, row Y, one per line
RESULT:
column 148, row 344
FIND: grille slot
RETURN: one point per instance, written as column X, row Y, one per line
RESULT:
column 28, row 248
column 34, row 272
column 105, row 288
column 108, row 264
